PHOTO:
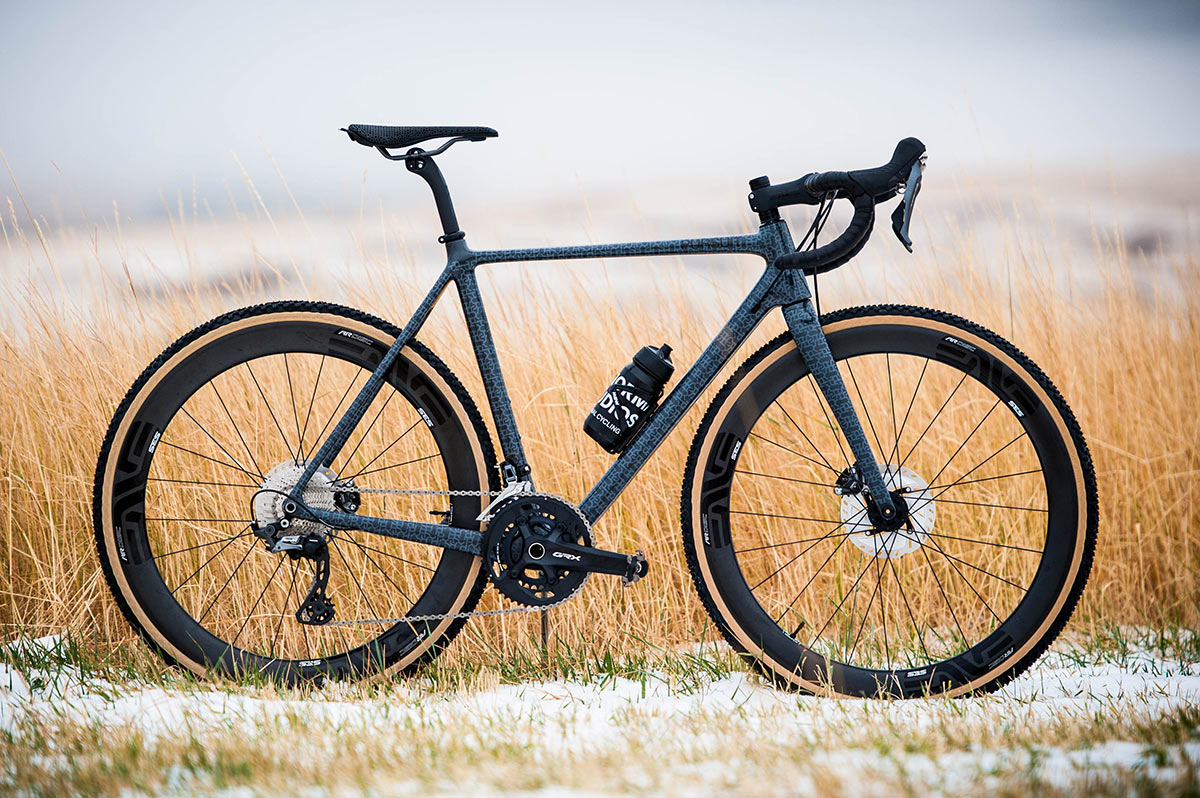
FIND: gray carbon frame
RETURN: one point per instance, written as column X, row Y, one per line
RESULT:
column 784, row 289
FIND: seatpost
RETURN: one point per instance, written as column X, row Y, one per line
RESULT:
column 429, row 171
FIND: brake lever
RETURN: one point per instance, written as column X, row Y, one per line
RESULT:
column 903, row 213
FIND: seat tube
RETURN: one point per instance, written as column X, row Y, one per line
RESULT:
column 489, row 370
column 806, row 330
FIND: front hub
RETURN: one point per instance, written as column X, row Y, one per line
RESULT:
column 902, row 534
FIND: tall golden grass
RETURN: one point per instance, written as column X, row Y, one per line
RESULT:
column 1120, row 339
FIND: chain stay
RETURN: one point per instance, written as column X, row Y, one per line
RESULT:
column 411, row 619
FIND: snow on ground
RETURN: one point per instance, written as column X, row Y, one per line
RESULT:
column 570, row 716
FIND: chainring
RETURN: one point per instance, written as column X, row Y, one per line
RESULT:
column 517, row 568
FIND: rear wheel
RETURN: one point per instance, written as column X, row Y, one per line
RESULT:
column 982, row 455
column 218, row 429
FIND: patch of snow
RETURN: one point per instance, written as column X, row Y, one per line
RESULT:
column 14, row 697
column 564, row 716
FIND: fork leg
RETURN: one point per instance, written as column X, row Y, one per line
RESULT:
column 810, row 340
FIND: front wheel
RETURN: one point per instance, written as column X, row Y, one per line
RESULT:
column 985, row 460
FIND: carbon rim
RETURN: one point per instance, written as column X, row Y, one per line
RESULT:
column 201, row 440
column 780, row 553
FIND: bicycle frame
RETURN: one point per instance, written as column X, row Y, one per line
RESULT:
column 785, row 289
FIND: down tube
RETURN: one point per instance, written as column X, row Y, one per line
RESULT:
column 618, row 476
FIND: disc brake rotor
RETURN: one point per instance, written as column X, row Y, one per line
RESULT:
column 922, row 512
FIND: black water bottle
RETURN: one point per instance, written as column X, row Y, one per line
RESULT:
column 631, row 398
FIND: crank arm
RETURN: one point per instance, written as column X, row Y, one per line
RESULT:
column 630, row 567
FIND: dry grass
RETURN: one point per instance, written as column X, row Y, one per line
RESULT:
column 1121, row 341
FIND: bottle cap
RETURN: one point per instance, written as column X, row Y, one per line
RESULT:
column 656, row 362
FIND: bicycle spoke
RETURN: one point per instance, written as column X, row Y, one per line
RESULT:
column 793, row 451
column 320, row 435
column 257, row 602
column 384, row 553
column 985, row 542
column 197, row 546
column 970, row 435
column 806, row 439
column 201, row 482
column 206, row 457
column 283, row 606
column 936, row 496
column 996, row 506
column 370, row 426
column 960, row 481
column 381, row 570
column 384, row 451
column 228, row 543
column 350, row 571
column 270, row 410
column 892, row 404
column 232, row 574
column 312, row 399
column 801, row 554
column 786, row 517
column 224, row 451
column 295, row 415
column 229, row 415
column 907, row 412
column 908, row 608
column 982, row 463
column 964, row 562
column 788, row 543
column 929, row 426
column 788, row 479
column 945, row 598
column 397, row 465
column 206, row 520
column 838, row 608
column 811, row 579
column 866, row 612
column 951, row 561
column 303, row 627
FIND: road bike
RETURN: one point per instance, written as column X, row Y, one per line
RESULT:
column 881, row 501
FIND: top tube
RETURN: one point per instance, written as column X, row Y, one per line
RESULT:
column 751, row 244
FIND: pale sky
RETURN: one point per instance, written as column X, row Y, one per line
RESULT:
column 129, row 100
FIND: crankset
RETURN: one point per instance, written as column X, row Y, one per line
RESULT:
column 539, row 551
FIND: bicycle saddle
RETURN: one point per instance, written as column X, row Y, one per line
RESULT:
column 389, row 136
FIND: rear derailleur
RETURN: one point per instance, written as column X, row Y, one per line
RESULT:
column 310, row 544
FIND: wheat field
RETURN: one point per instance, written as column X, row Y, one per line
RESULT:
column 1120, row 338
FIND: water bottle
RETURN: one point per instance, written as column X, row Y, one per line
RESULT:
column 631, row 398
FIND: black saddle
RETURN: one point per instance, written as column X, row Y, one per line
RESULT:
column 389, row 136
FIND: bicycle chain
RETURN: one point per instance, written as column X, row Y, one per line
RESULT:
column 350, row 488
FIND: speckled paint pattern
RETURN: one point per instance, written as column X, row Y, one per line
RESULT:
column 775, row 288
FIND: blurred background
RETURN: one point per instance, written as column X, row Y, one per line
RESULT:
column 166, row 162
column 135, row 102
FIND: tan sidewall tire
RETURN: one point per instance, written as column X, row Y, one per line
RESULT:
column 107, row 475
column 784, row 346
